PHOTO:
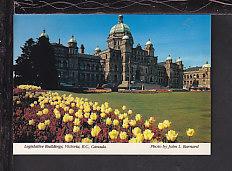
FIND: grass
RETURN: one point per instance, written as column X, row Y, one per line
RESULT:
column 183, row 109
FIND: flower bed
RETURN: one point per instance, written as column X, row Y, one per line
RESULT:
column 50, row 117
column 153, row 91
column 95, row 90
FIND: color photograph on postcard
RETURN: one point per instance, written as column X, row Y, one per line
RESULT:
column 112, row 78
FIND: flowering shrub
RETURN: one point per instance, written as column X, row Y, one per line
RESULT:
column 29, row 87
column 50, row 117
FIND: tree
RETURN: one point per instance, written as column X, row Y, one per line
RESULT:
column 36, row 64
column 24, row 64
column 44, row 64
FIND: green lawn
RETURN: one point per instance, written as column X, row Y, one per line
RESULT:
column 183, row 109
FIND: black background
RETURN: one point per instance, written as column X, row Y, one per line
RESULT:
column 220, row 158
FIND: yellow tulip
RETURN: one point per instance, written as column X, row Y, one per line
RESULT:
column 70, row 118
column 47, row 122
column 148, row 134
column 73, row 104
column 129, row 112
column 98, row 108
column 190, row 132
column 126, row 120
column 132, row 122
column 151, row 120
column 125, row 115
column 147, row 124
column 120, row 116
column 87, row 109
column 79, row 114
column 68, row 137
column 76, row 129
column 161, row 126
column 133, row 140
column 58, row 116
column 115, row 122
column 42, row 106
column 123, row 135
column 116, row 112
column 103, row 115
column 66, row 108
column 123, row 107
column 95, row 131
column 66, row 118
column 140, row 137
column 138, row 117
column 86, row 115
column 113, row 134
column 125, row 125
column 108, row 121
column 71, row 111
column 166, row 123
column 77, row 121
column 86, row 140
column 171, row 135
column 39, row 113
column 32, row 105
column 41, row 126
column 90, row 121
column 107, row 111
column 93, row 116
column 31, row 122
column 45, row 111
column 136, row 131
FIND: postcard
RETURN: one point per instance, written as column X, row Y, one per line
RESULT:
column 123, row 84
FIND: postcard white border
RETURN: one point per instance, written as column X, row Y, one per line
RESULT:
column 112, row 148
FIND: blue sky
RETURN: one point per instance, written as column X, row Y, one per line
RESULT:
column 185, row 36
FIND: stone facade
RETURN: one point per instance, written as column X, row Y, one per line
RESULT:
column 120, row 64
column 197, row 77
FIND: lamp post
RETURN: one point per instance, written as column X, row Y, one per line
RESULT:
column 142, row 85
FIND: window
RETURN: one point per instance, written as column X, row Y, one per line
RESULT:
column 116, row 67
column 203, row 75
column 65, row 64
column 88, row 67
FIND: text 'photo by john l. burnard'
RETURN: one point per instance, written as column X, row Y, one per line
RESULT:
column 112, row 84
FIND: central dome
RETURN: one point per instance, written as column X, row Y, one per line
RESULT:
column 120, row 27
